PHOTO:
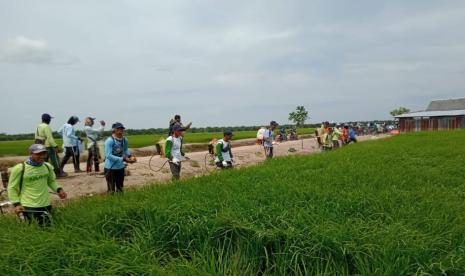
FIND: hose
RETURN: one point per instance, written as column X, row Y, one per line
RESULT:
column 206, row 165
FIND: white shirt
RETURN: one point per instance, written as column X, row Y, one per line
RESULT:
column 268, row 138
column 225, row 154
column 176, row 149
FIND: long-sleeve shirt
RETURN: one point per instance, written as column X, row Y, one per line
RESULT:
column 115, row 151
column 37, row 180
column 69, row 136
column 268, row 138
column 173, row 148
column 93, row 135
column 223, row 151
column 44, row 132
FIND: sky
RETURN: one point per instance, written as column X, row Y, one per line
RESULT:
column 225, row 63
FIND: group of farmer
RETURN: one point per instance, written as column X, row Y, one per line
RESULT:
column 30, row 181
column 72, row 144
column 332, row 136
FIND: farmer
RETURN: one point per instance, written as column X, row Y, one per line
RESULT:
column 177, row 121
column 116, row 154
column 224, row 156
column 328, row 140
column 70, row 143
column 29, row 184
column 352, row 135
column 336, row 136
column 268, row 138
column 93, row 136
column 44, row 136
column 174, row 152
column 345, row 135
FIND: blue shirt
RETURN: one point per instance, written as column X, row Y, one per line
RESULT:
column 69, row 136
column 352, row 134
column 115, row 151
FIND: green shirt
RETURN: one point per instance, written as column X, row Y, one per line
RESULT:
column 44, row 131
column 36, row 182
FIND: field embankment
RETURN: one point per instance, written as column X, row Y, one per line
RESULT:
column 19, row 148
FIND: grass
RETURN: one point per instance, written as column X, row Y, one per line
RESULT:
column 390, row 207
column 19, row 148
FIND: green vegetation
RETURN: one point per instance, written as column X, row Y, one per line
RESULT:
column 299, row 116
column 19, row 148
column 390, row 207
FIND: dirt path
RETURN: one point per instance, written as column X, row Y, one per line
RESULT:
column 83, row 184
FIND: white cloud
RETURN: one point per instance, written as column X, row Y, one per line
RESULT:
column 21, row 49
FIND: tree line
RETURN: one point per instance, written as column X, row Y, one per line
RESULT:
column 148, row 131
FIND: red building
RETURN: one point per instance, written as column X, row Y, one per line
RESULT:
column 440, row 115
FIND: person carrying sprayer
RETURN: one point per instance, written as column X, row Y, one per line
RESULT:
column 268, row 139
column 174, row 152
column 223, row 153
column 70, row 143
column 29, row 184
column 116, row 155
column 44, row 136
column 93, row 136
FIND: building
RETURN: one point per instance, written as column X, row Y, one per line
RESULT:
column 439, row 115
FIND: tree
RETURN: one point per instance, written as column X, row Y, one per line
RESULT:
column 399, row 111
column 299, row 116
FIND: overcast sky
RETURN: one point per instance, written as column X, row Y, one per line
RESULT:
column 225, row 62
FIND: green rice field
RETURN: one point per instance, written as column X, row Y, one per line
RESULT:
column 387, row 207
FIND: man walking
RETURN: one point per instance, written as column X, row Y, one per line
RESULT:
column 44, row 136
column 174, row 152
column 29, row 184
column 70, row 142
column 268, row 138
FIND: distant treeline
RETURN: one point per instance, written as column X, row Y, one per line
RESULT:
column 154, row 131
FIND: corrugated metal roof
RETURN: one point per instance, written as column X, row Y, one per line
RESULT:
column 443, row 105
column 433, row 114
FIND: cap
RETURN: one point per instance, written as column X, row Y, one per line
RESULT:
column 75, row 118
column 228, row 133
column 273, row 123
column 118, row 125
column 37, row 148
column 178, row 127
column 46, row 116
